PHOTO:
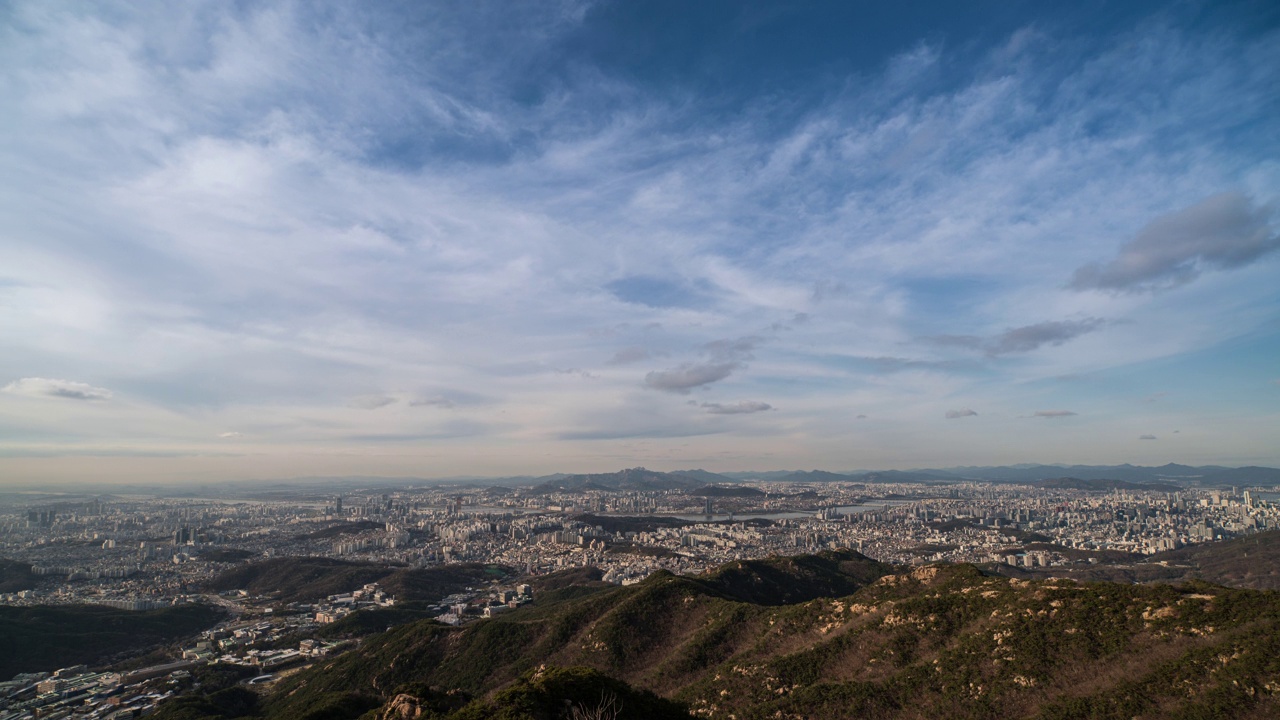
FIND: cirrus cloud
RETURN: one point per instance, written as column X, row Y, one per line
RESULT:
column 961, row 413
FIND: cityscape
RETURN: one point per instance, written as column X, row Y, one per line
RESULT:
column 140, row 553
column 618, row 360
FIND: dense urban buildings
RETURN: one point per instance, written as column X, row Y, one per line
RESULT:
column 147, row 552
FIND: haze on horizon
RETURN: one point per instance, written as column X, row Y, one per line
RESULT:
column 286, row 238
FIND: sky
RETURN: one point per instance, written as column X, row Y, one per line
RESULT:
column 277, row 239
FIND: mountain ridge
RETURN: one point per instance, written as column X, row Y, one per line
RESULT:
column 938, row 640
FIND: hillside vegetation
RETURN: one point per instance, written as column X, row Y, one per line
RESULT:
column 1252, row 561
column 307, row 579
column 16, row 576
column 47, row 637
column 938, row 641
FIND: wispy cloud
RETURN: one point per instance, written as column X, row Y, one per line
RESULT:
column 961, row 413
column 887, row 364
column 454, row 199
column 1024, row 339
column 743, row 407
column 1146, row 437
column 440, row 402
column 1053, row 414
column 66, row 389
column 371, row 402
column 628, row 355
column 1032, row 337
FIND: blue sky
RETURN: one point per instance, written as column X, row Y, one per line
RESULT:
column 278, row 239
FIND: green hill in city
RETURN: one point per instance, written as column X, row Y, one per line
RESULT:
column 48, row 637
column 307, row 579
column 936, row 641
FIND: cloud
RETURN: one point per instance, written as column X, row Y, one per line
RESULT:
column 962, row 413
column 1222, row 232
column 441, row 402
column 1032, row 337
column 657, row 292
column 971, row 342
column 1146, row 437
column 886, row 364
column 739, row 349
column 743, row 407
column 684, row 378
column 1020, row 339
column 1053, row 413
column 627, row 355
column 444, row 200
column 796, row 320
column 371, row 402
column 231, row 434
column 723, row 357
column 584, row 374
column 49, row 387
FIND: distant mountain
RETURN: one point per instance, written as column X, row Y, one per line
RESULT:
column 900, row 476
column 1183, row 475
column 878, row 476
column 1211, row 475
column 1070, row 483
column 636, row 479
column 761, row 475
column 522, row 480
column 1243, row 476
column 816, row 476
column 709, row 478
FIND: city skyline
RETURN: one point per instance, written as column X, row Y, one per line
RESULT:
column 288, row 239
